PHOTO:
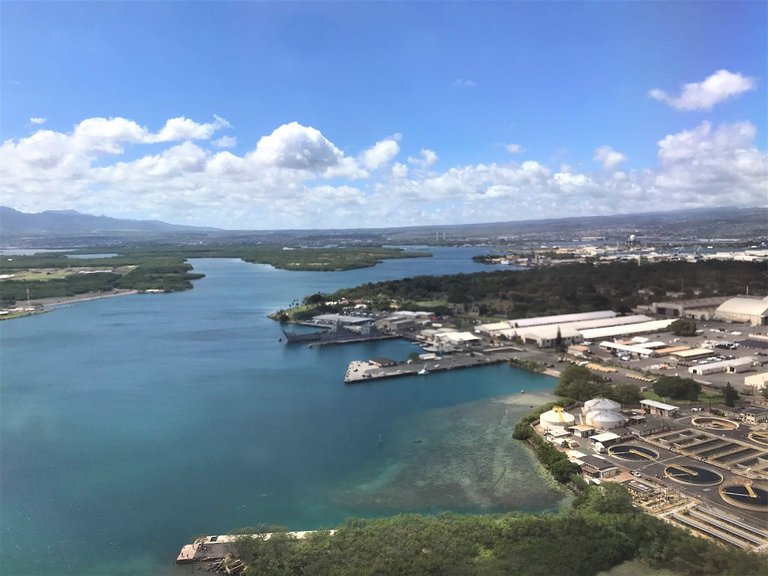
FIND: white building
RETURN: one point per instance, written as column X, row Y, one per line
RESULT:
column 744, row 309
column 736, row 365
column 757, row 381
column 654, row 407
column 561, row 318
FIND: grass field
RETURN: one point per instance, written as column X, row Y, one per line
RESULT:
column 46, row 274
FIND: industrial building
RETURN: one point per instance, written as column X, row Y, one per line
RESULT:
column 744, row 309
column 546, row 336
column 561, row 318
column 596, row 466
column 733, row 366
column 757, row 381
column 626, row 329
column 660, row 408
column 699, row 308
column 634, row 351
column 557, row 418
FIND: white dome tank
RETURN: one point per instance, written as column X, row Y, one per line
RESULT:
column 556, row 419
column 601, row 404
column 605, row 419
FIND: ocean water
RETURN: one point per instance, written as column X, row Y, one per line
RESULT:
column 129, row 425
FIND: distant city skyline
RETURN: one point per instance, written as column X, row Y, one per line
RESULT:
column 275, row 115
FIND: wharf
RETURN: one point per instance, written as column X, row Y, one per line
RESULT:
column 221, row 547
column 362, row 371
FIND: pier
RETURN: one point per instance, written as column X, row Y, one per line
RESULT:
column 214, row 549
column 365, row 371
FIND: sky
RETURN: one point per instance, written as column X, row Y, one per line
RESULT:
column 295, row 115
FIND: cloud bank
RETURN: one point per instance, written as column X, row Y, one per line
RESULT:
column 295, row 177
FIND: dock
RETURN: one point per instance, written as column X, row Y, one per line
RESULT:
column 215, row 549
column 365, row 371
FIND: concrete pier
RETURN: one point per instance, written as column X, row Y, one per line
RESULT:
column 364, row 371
column 213, row 548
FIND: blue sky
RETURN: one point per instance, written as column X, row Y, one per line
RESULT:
column 356, row 114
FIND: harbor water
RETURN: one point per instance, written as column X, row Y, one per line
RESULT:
column 130, row 425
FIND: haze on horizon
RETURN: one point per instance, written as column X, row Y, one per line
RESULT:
column 267, row 115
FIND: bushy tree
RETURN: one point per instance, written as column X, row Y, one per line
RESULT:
column 730, row 395
column 579, row 383
column 677, row 388
column 683, row 327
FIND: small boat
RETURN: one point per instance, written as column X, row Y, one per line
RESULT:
column 423, row 371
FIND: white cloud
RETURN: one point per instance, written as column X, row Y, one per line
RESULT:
column 713, row 166
column 296, row 177
column 515, row 148
column 425, row 159
column 608, row 157
column 225, row 142
column 716, row 88
column 297, row 147
column 399, row 170
column 181, row 128
column 381, row 153
column 37, row 120
column 464, row 82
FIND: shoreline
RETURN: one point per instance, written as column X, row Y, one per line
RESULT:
column 84, row 297
column 43, row 305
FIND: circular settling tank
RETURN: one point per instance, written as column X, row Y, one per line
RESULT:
column 746, row 496
column 633, row 452
column 695, row 475
column 713, row 423
column 759, row 437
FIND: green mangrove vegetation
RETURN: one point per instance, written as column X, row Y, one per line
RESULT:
column 55, row 275
column 558, row 289
column 600, row 531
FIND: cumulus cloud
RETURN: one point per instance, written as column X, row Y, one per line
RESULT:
column 716, row 88
column 381, row 153
column 296, row 175
column 425, row 159
column 181, row 128
column 37, row 120
column 515, row 148
column 464, row 83
column 297, row 147
column 608, row 157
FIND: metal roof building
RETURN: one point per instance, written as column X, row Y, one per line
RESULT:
column 626, row 329
column 735, row 365
column 561, row 318
column 744, row 309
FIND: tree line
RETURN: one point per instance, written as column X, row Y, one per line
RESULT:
column 601, row 530
column 565, row 288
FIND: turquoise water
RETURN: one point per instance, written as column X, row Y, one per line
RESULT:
column 131, row 424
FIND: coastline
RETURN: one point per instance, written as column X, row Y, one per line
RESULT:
column 62, row 300
column 43, row 305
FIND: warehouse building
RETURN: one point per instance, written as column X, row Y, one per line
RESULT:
column 732, row 366
column 744, row 309
column 699, row 308
column 757, row 381
column 626, row 329
column 561, row 319
column 660, row 408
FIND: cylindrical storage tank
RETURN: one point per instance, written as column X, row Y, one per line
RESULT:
column 601, row 404
column 605, row 419
column 551, row 419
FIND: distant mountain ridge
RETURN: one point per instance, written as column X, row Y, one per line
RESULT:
column 15, row 223
column 69, row 225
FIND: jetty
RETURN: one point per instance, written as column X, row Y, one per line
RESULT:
column 219, row 550
column 375, row 369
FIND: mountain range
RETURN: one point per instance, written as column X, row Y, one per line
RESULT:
column 70, row 222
